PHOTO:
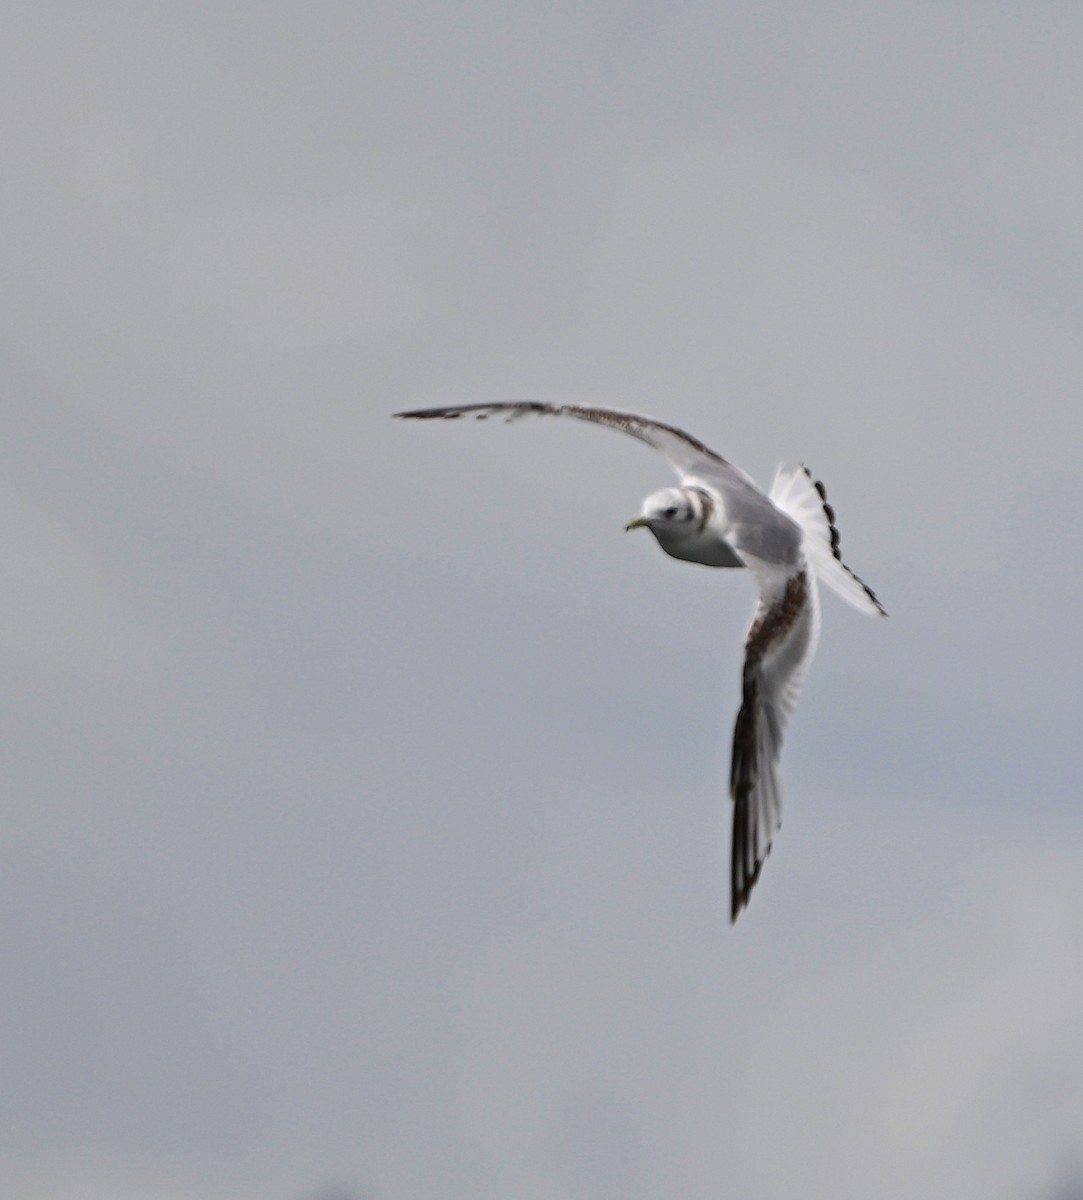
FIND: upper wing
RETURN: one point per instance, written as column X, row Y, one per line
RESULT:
column 692, row 460
column 780, row 646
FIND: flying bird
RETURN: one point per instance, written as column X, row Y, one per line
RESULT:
column 787, row 538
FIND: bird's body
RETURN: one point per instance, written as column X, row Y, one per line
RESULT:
column 788, row 540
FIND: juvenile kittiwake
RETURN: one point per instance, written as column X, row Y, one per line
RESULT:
column 788, row 540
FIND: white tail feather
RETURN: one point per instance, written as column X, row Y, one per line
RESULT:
column 803, row 498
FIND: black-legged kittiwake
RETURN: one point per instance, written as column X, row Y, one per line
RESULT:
column 788, row 540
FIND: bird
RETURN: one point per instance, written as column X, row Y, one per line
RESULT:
column 787, row 538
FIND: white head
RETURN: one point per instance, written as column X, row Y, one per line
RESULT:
column 670, row 513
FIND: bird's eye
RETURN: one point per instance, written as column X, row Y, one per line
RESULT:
column 670, row 512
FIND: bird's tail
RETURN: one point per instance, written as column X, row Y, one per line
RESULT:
column 804, row 499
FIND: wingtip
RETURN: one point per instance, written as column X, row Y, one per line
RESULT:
column 479, row 412
column 741, row 893
column 423, row 414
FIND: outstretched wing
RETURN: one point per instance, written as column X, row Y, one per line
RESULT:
column 690, row 458
column 784, row 629
column 778, row 651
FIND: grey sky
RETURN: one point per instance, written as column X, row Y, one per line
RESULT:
column 364, row 786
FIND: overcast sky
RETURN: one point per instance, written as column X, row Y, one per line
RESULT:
column 365, row 829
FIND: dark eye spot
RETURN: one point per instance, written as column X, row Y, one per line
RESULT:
column 670, row 512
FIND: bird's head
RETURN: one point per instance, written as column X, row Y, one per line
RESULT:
column 672, row 510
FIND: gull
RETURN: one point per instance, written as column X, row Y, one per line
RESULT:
column 788, row 540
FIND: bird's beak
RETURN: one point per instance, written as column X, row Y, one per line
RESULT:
column 638, row 523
